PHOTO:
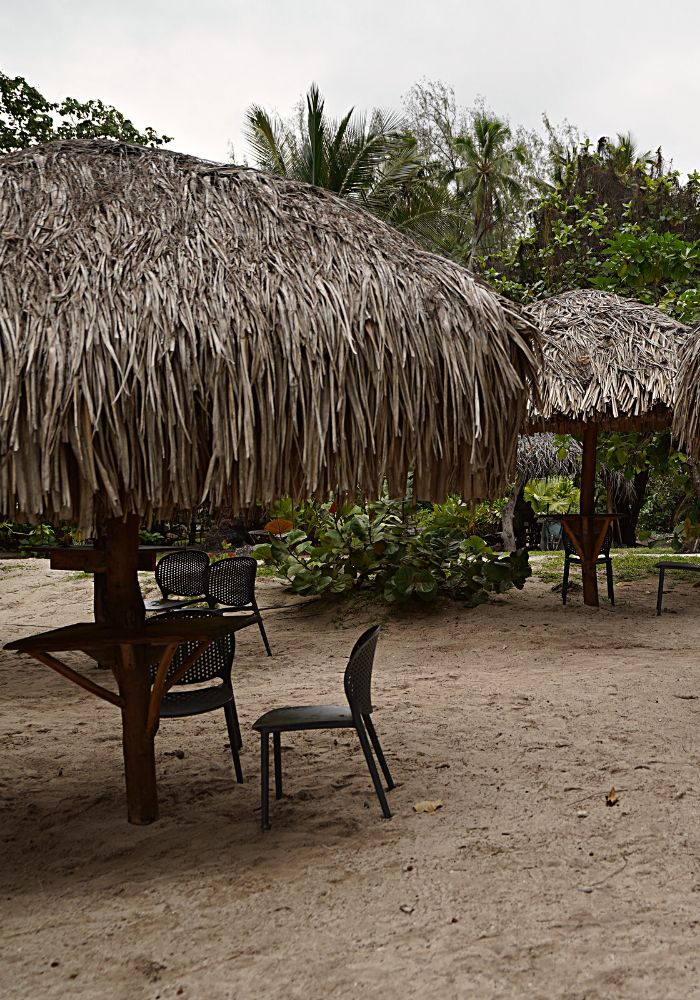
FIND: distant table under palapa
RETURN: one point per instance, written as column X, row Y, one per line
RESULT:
column 130, row 654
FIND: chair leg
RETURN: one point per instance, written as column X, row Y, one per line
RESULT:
column 264, row 781
column 565, row 581
column 234, row 735
column 277, row 749
column 233, row 712
column 611, row 588
column 366, row 749
column 263, row 633
column 660, row 594
column 378, row 751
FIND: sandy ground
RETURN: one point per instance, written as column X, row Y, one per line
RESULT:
column 520, row 715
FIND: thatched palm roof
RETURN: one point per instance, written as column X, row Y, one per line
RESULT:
column 608, row 361
column 173, row 330
column 686, row 425
column 539, row 458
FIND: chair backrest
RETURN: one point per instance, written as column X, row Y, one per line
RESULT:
column 232, row 581
column 182, row 573
column 358, row 673
column 571, row 551
column 215, row 661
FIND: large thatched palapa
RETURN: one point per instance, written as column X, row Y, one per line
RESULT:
column 686, row 425
column 173, row 331
column 609, row 364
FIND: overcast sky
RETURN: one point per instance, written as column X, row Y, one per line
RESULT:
column 190, row 68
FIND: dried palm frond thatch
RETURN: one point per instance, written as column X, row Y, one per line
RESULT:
column 686, row 424
column 539, row 457
column 173, row 331
column 608, row 361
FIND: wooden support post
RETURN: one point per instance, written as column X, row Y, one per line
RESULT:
column 117, row 596
column 588, row 561
column 132, row 676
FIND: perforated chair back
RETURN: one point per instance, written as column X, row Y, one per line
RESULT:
column 571, row 551
column 232, row 581
column 358, row 673
column 183, row 573
column 567, row 544
column 215, row 661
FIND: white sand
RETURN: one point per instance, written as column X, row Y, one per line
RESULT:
column 519, row 715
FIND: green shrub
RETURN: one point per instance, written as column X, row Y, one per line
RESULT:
column 394, row 550
column 552, row 496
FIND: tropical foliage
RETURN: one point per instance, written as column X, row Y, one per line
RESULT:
column 357, row 156
column 395, row 551
column 27, row 118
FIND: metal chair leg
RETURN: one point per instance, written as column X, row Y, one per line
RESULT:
column 263, row 633
column 611, row 588
column 660, row 594
column 233, row 711
column 277, row 749
column 234, row 739
column 364, row 743
column 264, row 781
column 565, row 581
column 378, row 751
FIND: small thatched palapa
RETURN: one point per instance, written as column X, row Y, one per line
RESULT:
column 609, row 364
column 174, row 331
column 686, row 424
column 608, row 361
column 539, row 457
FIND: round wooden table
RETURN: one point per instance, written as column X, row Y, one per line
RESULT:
column 130, row 654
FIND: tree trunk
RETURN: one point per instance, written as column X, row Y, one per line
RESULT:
column 632, row 509
column 587, row 508
column 694, row 469
column 507, row 516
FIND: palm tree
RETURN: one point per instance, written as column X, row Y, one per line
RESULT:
column 491, row 174
column 347, row 156
column 623, row 155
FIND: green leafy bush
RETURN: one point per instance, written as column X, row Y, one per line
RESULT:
column 552, row 496
column 398, row 552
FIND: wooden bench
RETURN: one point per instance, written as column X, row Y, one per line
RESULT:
column 662, row 567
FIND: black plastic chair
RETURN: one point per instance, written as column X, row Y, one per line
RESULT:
column 358, row 683
column 231, row 583
column 571, row 556
column 183, row 574
column 215, row 662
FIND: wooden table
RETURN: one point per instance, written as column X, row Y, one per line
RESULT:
column 130, row 653
column 90, row 559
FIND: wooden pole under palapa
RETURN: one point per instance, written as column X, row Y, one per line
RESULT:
column 587, row 509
